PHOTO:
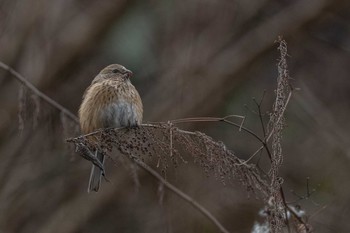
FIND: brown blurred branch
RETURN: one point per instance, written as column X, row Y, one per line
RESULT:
column 38, row 93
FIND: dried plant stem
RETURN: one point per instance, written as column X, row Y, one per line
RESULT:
column 224, row 119
column 179, row 193
column 253, row 155
column 280, row 107
column 280, row 116
column 38, row 93
column 218, row 119
column 286, row 208
column 292, row 211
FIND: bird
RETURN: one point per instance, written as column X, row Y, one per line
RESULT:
column 110, row 101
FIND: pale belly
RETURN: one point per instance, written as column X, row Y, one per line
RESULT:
column 120, row 114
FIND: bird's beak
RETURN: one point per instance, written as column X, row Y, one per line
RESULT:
column 128, row 73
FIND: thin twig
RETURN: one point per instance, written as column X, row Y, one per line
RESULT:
column 171, row 139
column 253, row 155
column 204, row 119
column 47, row 99
column 218, row 119
column 286, row 208
column 306, row 196
column 260, row 113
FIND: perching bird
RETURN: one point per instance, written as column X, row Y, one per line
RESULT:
column 110, row 101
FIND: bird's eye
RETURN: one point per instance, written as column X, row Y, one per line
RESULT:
column 115, row 71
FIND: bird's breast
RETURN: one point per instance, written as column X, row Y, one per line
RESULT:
column 107, row 106
column 120, row 113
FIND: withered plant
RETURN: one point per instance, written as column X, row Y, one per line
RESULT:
column 168, row 144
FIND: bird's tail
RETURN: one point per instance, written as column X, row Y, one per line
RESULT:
column 96, row 174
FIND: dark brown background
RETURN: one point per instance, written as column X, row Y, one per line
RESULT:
column 193, row 58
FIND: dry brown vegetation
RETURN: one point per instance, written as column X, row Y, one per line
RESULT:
column 203, row 58
column 169, row 144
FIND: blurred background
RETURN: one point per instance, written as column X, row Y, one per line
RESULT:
column 190, row 59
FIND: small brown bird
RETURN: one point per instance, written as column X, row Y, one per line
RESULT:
column 110, row 101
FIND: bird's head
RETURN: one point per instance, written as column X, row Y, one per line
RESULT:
column 115, row 72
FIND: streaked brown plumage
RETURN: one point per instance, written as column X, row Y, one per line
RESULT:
column 110, row 101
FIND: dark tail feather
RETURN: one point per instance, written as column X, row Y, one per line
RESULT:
column 96, row 174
